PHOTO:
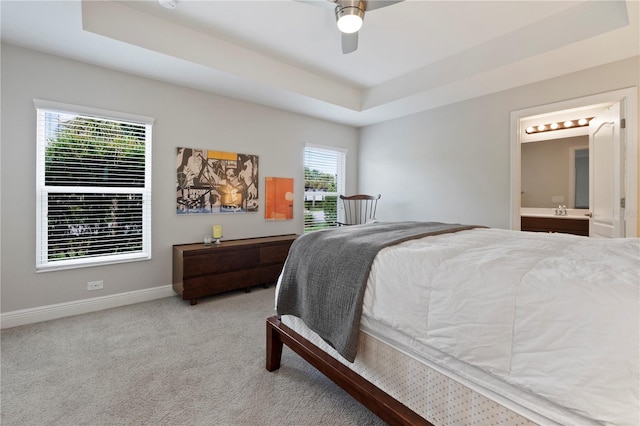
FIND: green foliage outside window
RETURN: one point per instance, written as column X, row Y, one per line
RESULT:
column 320, row 213
column 88, row 152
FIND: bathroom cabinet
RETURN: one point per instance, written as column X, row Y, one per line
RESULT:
column 553, row 224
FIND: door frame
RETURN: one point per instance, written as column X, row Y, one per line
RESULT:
column 629, row 100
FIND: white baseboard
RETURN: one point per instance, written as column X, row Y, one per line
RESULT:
column 60, row 310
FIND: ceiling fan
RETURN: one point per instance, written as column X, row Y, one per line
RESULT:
column 350, row 16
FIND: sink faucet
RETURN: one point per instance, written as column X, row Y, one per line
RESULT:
column 561, row 210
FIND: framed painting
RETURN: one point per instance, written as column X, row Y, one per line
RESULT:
column 216, row 182
column 278, row 198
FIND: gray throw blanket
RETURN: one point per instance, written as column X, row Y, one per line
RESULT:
column 326, row 272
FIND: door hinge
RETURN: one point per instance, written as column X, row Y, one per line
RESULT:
column 623, row 202
column 623, row 123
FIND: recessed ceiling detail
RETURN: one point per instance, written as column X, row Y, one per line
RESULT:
column 412, row 56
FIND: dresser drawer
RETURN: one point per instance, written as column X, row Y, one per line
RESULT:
column 213, row 262
column 202, row 286
column 271, row 254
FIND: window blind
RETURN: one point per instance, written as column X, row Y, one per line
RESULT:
column 94, row 188
column 324, row 170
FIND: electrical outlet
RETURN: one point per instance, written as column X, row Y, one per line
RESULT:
column 94, row 285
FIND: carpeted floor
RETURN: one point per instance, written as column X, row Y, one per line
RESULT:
column 165, row 362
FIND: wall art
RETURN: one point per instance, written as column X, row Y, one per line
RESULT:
column 278, row 198
column 216, row 182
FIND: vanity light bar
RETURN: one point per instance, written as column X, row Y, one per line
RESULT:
column 558, row 126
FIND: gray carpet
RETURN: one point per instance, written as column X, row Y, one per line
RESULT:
column 165, row 362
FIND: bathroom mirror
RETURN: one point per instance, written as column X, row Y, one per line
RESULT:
column 555, row 172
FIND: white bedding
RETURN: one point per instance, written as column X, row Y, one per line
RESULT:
column 553, row 314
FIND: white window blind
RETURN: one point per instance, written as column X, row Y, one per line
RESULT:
column 324, row 170
column 93, row 187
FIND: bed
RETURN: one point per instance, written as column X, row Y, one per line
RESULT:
column 468, row 325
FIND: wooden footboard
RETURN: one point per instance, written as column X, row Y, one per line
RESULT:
column 387, row 408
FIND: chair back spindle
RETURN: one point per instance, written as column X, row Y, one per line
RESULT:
column 359, row 209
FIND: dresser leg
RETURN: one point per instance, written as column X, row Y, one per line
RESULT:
column 194, row 301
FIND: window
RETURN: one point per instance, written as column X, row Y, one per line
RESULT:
column 93, row 187
column 323, row 183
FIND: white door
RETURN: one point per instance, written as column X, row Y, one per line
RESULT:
column 606, row 162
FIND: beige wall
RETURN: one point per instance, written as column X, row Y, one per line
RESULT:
column 183, row 117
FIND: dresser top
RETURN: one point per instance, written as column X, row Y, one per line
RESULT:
column 237, row 243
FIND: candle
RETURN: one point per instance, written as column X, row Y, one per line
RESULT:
column 217, row 231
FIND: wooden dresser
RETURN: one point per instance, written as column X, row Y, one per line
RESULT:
column 552, row 224
column 200, row 270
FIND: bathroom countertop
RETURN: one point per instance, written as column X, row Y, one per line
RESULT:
column 580, row 214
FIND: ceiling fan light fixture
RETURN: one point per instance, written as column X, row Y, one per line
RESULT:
column 168, row 4
column 350, row 17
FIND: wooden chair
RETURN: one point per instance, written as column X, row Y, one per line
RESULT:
column 359, row 209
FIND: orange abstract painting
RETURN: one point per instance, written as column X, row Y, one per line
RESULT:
column 278, row 198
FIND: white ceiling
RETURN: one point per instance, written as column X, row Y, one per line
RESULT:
column 412, row 56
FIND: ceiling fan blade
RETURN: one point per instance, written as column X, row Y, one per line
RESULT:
column 377, row 4
column 320, row 3
column 349, row 42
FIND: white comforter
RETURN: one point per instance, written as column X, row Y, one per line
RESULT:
column 553, row 314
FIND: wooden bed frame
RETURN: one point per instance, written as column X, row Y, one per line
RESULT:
column 382, row 404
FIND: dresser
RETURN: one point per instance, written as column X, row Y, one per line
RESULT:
column 203, row 270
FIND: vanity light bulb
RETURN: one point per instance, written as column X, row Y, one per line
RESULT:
column 541, row 127
column 530, row 129
column 568, row 123
column 554, row 126
column 582, row 121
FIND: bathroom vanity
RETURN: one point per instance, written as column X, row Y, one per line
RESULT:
column 553, row 224
column 572, row 221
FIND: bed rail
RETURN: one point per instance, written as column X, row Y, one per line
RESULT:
column 382, row 404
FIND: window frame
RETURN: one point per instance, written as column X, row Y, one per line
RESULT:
column 341, row 161
column 43, row 263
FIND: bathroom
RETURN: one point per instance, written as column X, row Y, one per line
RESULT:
column 560, row 185
column 555, row 185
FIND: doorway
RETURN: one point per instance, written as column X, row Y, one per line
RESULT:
column 627, row 98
